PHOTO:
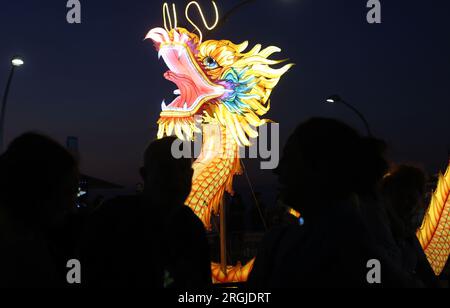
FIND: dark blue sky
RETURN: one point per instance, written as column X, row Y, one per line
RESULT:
column 101, row 82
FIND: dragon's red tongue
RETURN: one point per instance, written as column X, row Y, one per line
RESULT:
column 188, row 89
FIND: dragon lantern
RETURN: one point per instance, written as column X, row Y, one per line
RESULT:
column 434, row 235
column 228, row 88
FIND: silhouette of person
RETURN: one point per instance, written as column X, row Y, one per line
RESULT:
column 38, row 189
column 404, row 192
column 321, row 173
column 167, row 184
column 151, row 239
column 372, row 208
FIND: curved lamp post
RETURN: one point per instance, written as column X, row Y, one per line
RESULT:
column 15, row 62
column 336, row 99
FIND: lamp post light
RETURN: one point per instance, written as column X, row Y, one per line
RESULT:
column 336, row 99
column 15, row 62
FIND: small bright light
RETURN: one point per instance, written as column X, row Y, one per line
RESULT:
column 334, row 99
column 17, row 62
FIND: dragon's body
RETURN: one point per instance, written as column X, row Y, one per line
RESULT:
column 213, row 171
column 227, row 90
column 434, row 235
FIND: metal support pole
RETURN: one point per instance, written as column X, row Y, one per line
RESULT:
column 3, row 110
column 223, row 236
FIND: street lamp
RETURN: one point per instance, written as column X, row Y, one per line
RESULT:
column 336, row 99
column 15, row 62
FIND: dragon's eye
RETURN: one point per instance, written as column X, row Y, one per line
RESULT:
column 210, row 63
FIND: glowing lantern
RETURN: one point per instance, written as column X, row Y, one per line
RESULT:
column 434, row 235
column 229, row 89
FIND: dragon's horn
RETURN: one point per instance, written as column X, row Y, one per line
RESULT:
column 202, row 15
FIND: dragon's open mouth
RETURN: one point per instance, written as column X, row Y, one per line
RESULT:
column 194, row 87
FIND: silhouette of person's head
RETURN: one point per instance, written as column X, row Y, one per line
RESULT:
column 324, row 161
column 167, row 180
column 38, row 181
column 404, row 190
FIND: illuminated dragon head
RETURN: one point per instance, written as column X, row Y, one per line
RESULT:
column 216, row 80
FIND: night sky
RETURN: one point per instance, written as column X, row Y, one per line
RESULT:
column 101, row 82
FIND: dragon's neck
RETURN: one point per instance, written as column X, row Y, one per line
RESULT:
column 214, row 169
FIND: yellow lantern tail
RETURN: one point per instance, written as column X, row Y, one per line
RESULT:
column 237, row 273
column 434, row 235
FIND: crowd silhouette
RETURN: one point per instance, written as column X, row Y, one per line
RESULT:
column 38, row 190
column 354, row 206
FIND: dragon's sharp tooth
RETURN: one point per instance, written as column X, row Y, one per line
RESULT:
column 185, row 107
column 159, row 54
column 176, row 36
column 161, row 130
column 163, row 106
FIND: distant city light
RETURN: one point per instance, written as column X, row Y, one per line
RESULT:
column 294, row 213
column 334, row 99
column 301, row 221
